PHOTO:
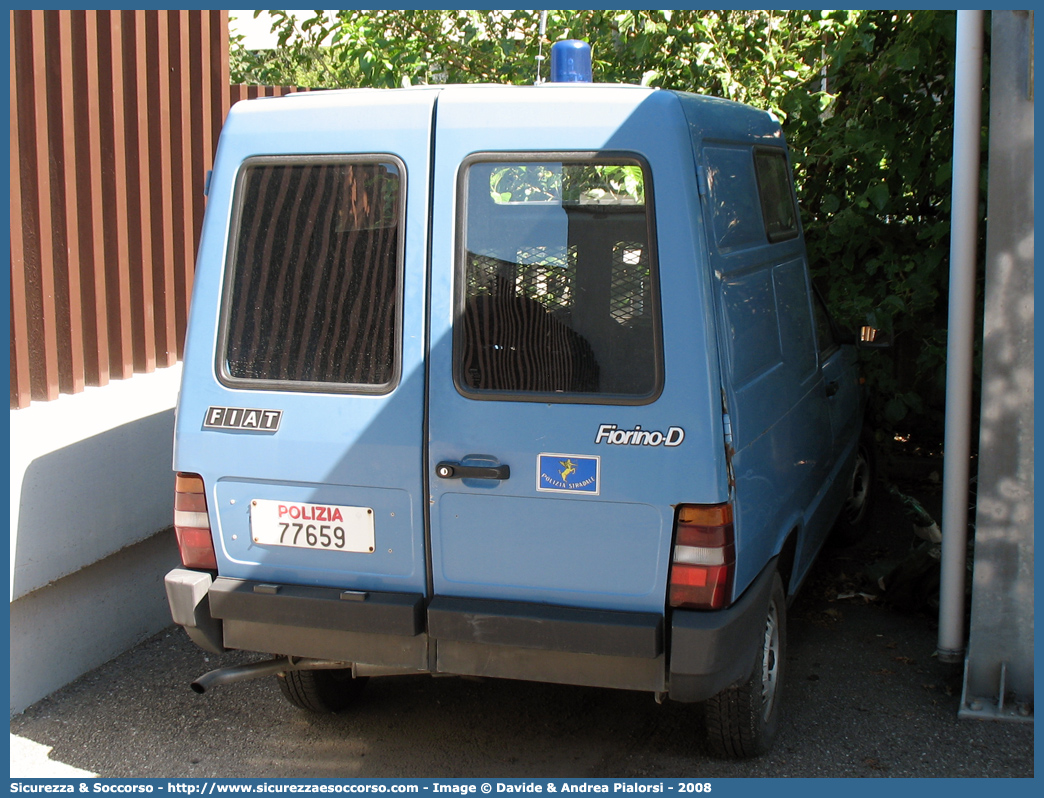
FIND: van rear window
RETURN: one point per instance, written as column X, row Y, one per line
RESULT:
column 315, row 258
column 558, row 292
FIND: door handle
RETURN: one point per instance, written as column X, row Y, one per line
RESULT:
column 833, row 387
column 448, row 470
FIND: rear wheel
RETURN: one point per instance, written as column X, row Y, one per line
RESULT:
column 852, row 524
column 742, row 719
column 321, row 691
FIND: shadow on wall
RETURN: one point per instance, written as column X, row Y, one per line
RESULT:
column 87, row 500
column 85, row 619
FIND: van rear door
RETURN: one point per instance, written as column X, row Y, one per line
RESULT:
column 302, row 401
column 559, row 436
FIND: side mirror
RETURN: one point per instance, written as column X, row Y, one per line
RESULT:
column 872, row 338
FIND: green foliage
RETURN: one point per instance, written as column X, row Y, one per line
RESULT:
column 872, row 157
column 865, row 98
column 570, row 184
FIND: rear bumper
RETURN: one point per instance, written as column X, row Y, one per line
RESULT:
column 711, row 650
column 400, row 632
column 538, row 642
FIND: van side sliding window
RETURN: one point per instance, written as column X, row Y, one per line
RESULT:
column 777, row 200
column 828, row 341
column 558, row 297
column 315, row 259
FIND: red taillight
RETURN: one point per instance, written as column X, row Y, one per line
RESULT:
column 192, row 524
column 703, row 557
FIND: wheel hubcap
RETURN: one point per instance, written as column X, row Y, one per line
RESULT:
column 856, row 503
column 770, row 662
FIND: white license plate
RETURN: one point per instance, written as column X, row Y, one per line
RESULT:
column 311, row 526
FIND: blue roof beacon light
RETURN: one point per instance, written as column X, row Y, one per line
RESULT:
column 571, row 61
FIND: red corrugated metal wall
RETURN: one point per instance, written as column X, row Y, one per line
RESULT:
column 114, row 121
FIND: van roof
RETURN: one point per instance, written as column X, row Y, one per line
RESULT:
column 470, row 87
column 707, row 117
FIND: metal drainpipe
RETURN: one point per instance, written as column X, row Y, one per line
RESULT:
column 967, row 126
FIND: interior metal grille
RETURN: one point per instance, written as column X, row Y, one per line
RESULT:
column 629, row 287
column 546, row 274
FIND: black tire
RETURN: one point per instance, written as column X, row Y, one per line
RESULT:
column 323, row 691
column 852, row 525
column 742, row 720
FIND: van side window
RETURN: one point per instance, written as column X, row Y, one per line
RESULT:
column 733, row 191
column 558, row 297
column 824, row 329
column 313, row 293
column 777, row 200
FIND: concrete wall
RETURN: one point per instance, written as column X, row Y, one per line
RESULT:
column 92, row 503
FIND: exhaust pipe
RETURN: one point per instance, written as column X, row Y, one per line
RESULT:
column 257, row 670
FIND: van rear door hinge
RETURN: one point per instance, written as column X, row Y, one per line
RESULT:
column 726, row 425
column 701, row 180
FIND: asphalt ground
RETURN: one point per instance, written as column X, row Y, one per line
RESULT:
column 865, row 697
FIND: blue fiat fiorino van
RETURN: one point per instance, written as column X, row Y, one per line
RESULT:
column 519, row 382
